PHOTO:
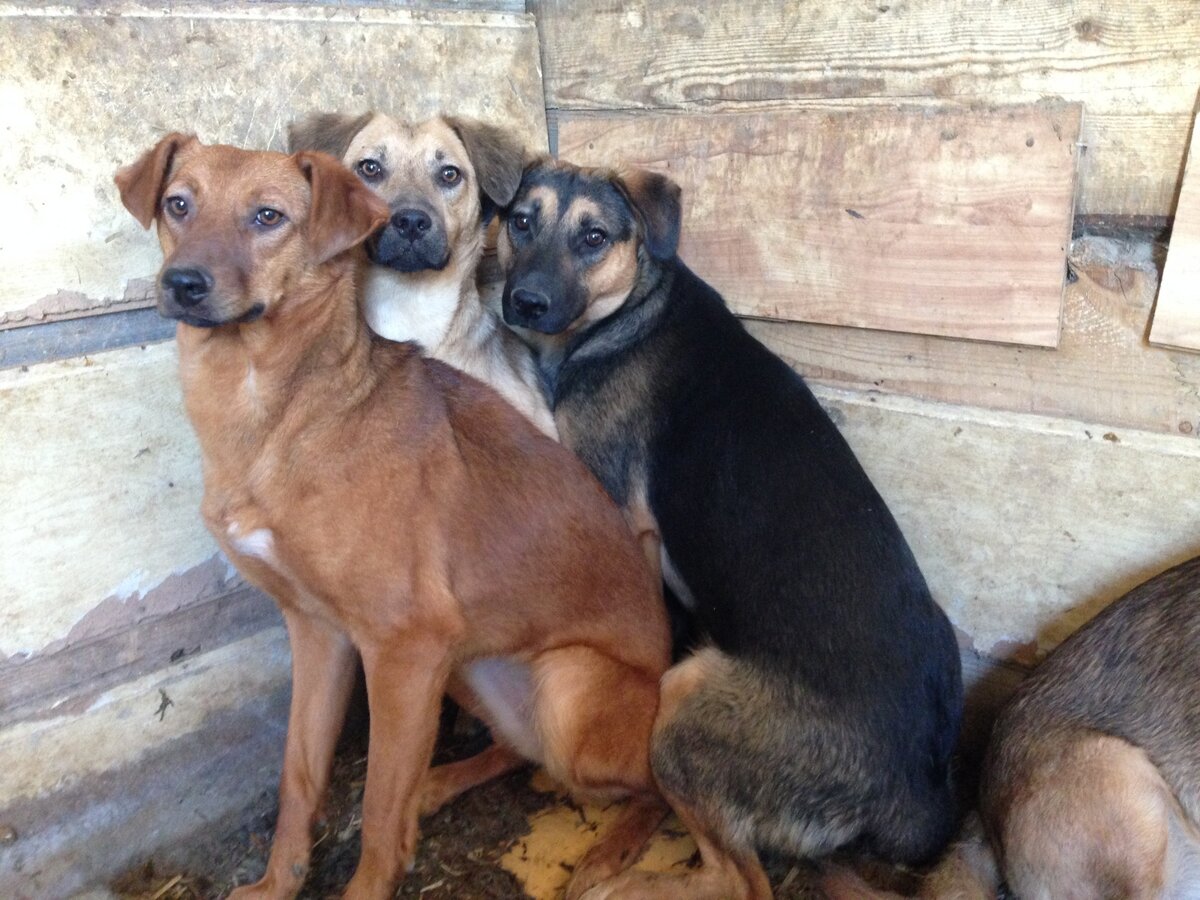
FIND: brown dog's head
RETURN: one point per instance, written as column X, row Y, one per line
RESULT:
column 573, row 241
column 442, row 179
column 241, row 231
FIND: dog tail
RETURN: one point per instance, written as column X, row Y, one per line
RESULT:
column 968, row 871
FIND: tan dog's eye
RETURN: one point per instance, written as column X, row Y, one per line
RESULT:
column 176, row 206
column 369, row 168
column 595, row 237
column 450, row 175
column 520, row 222
column 268, row 218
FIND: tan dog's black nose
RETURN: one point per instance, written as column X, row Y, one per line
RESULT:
column 187, row 286
column 412, row 223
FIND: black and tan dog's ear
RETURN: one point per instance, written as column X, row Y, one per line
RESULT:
column 141, row 183
column 656, row 200
column 499, row 160
column 344, row 212
column 326, row 132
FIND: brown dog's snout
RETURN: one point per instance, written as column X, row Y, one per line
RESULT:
column 530, row 305
column 187, row 286
column 411, row 223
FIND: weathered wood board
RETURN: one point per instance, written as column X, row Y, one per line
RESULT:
column 84, row 93
column 1135, row 65
column 946, row 222
column 1102, row 372
column 1177, row 313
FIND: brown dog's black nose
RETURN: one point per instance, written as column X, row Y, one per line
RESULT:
column 529, row 305
column 412, row 223
column 188, row 286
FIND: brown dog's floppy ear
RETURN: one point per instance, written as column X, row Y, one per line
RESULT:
column 141, row 183
column 499, row 160
column 656, row 200
column 327, row 132
column 343, row 212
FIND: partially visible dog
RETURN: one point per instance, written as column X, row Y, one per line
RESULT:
column 393, row 507
column 824, row 709
column 1091, row 785
column 443, row 180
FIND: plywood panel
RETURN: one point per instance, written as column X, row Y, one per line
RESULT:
column 952, row 223
column 1177, row 313
column 1025, row 526
column 1102, row 372
column 1134, row 65
column 82, row 94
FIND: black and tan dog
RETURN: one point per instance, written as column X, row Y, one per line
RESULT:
column 443, row 180
column 1091, row 786
column 823, row 710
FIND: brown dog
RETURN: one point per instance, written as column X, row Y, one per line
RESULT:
column 393, row 507
column 443, row 180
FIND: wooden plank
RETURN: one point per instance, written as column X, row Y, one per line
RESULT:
column 1177, row 314
column 84, row 93
column 1133, row 64
column 1102, row 372
column 1025, row 526
column 951, row 223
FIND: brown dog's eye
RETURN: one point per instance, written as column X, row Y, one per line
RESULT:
column 369, row 168
column 520, row 222
column 176, row 206
column 268, row 217
column 450, row 175
column 595, row 237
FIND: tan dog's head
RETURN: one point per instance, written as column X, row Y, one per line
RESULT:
column 575, row 241
column 243, row 231
column 442, row 180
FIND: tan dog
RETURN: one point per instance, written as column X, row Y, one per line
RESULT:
column 443, row 179
column 394, row 508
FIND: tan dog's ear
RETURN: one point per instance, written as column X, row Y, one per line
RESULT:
column 499, row 160
column 327, row 132
column 656, row 200
column 141, row 183
column 344, row 211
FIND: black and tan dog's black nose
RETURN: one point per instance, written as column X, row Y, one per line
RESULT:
column 412, row 223
column 529, row 305
column 187, row 286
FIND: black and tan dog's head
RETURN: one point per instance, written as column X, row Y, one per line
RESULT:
column 242, row 230
column 576, row 240
column 442, row 179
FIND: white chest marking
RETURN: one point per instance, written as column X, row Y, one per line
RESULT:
column 401, row 308
column 251, row 383
column 505, row 688
column 259, row 543
column 675, row 581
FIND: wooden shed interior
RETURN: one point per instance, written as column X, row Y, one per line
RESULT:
column 971, row 225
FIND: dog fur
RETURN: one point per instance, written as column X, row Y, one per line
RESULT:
column 823, row 708
column 423, row 285
column 396, row 509
column 1091, row 785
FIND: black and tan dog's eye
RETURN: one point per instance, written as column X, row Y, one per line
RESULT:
column 595, row 237
column 268, row 218
column 450, row 175
column 520, row 222
column 369, row 168
column 176, row 206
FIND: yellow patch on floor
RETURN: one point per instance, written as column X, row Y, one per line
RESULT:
column 561, row 833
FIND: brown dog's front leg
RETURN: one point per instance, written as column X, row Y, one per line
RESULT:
column 406, row 677
column 322, row 678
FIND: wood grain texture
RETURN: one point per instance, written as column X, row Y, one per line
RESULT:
column 1102, row 372
column 1135, row 65
column 1177, row 314
column 86, row 93
column 951, row 223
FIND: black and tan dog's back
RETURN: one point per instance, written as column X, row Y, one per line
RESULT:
column 824, row 708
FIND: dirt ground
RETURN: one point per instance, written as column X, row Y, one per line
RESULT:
column 462, row 853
